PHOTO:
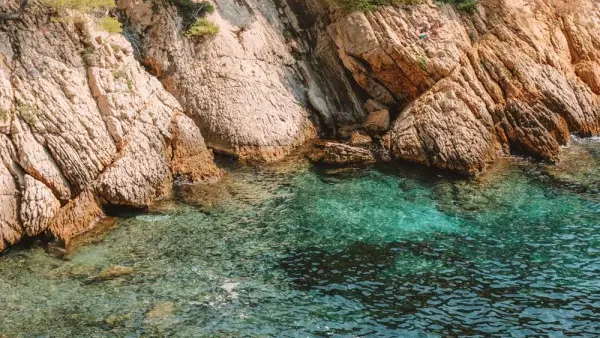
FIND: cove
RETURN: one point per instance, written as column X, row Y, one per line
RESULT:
column 295, row 250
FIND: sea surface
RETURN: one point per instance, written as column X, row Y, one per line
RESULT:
column 295, row 250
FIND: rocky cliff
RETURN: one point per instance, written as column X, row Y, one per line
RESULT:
column 254, row 88
column 83, row 125
column 513, row 76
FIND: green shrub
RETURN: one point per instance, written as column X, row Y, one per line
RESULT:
column 190, row 11
column 369, row 5
column 422, row 62
column 202, row 27
column 465, row 5
column 119, row 74
column 111, row 25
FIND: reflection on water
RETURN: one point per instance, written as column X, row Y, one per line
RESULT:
column 297, row 251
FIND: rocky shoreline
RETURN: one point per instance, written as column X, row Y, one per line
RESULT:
column 90, row 120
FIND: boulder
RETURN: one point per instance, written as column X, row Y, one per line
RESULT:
column 339, row 153
column 377, row 122
column 359, row 138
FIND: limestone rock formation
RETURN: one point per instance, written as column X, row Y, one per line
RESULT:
column 254, row 89
column 82, row 125
column 513, row 76
column 240, row 86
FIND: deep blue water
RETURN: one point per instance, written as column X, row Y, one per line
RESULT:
column 301, row 251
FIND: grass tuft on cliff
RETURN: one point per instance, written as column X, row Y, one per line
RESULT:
column 110, row 24
column 202, row 27
column 369, row 5
column 465, row 5
column 191, row 12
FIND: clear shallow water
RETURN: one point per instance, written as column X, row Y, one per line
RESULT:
column 298, row 251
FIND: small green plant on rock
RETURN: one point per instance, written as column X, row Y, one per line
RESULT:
column 119, row 74
column 87, row 54
column 130, row 86
column 191, row 11
column 202, row 27
column 95, row 7
column 110, row 24
column 369, row 5
column 422, row 62
column 465, row 5
column 116, row 49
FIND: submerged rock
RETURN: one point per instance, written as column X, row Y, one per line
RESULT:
column 114, row 272
column 579, row 167
column 160, row 312
column 338, row 153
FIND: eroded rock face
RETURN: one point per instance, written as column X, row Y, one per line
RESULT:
column 241, row 86
column 82, row 124
column 515, row 76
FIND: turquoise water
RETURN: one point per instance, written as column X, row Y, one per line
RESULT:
column 302, row 251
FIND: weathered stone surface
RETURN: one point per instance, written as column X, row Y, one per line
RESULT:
column 339, row 153
column 347, row 130
column 395, row 54
column 514, row 76
column 372, row 106
column 141, row 175
column 38, row 206
column 82, row 123
column 358, row 138
column 77, row 216
column 37, row 160
column 241, row 86
column 377, row 121
column 191, row 160
column 11, row 229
